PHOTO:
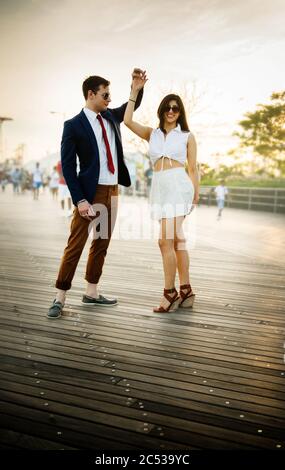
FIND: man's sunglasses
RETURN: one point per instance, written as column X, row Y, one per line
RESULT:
column 174, row 108
column 105, row 96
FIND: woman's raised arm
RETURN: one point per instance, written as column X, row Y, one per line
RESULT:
column 142, row 131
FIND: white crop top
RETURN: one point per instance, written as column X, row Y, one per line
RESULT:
column 173, row 145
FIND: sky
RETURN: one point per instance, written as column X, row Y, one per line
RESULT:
column 231, row 51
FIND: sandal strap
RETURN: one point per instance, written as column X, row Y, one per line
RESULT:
column 169, row 291
column 170, row 299
column 160, row 310
column 185, row 286
column 185, row 295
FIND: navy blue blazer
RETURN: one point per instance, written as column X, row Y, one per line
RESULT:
column 78, row 139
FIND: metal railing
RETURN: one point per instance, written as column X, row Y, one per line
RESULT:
column 264, row 199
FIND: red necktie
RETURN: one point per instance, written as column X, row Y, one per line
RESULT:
column 109, row 155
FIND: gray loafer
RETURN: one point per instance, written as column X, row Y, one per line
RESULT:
column 102, row 301
column 55, row 310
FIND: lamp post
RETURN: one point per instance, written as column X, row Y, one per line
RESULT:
column 2, row 119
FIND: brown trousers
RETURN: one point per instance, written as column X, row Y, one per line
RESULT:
column 107, row 196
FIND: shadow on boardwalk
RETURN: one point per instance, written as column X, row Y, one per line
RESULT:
column 211, row 378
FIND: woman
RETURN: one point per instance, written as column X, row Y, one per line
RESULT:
column 54, row 183
column 173, row 192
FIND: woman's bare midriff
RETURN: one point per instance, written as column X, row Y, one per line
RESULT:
column 166, row 164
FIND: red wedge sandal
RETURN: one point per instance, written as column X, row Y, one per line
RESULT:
column 174, row 301
column 186, row 298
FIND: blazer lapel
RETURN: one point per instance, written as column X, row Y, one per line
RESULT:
column 87, row 126
column 108, row 116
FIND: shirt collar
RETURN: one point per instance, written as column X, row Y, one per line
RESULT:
column 90, row 114
column 177, row 128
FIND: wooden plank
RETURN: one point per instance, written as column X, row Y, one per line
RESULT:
column 21, row 440
column 90, row 435
column 145, row 341
column 264, row 374
column 93, row 316
column 111, row 393
column 212, row 377
column 181, row 372
column 186, row 430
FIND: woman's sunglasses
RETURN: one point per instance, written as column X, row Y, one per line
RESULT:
column 174, row 108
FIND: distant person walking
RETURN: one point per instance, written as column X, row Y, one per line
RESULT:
column 54, row 183
column 37, row 181
column 221, row 192
column 16, row 177
column 63, row 191
column 173, row 191
column 4, row 182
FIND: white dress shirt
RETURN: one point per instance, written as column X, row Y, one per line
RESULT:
column 105, row 176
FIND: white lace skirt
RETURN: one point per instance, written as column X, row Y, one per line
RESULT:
column 171, row 194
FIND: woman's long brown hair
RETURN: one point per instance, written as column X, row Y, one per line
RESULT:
column 182, row 120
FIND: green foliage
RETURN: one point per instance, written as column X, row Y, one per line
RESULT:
column 245, row 182
column 263, row 131
column 235, row 176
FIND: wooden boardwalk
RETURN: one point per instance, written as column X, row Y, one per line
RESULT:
column 125, row 378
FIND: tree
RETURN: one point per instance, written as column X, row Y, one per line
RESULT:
column 264, row 132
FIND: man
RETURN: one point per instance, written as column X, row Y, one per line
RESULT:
column 221, row 192
column 16, row 180
column 94, row 137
